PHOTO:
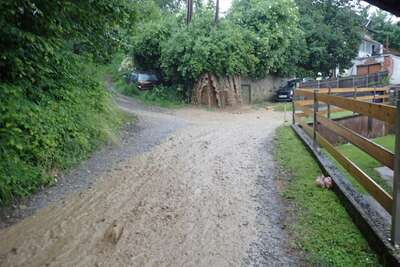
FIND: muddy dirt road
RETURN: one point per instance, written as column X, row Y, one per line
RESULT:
column 202, row 195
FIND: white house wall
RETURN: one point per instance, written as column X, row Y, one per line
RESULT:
column 366, row 48
column 395, row 78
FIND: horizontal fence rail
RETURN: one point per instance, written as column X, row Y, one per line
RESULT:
column 370, row 80
column 309, row 104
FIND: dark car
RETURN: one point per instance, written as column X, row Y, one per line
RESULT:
column 143, row 80
column 286, row 91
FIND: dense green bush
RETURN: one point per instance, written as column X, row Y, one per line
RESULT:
column 170, row 96
column 53, row 110
column 166, row 96
column 277, row 38
column 52, row 133
column 204, row 47
column 147, row 42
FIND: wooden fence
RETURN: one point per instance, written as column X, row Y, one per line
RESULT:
column 318, row 105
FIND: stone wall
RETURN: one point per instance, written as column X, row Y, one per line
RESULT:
column 257, row 90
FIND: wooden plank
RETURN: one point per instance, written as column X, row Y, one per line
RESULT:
column 370, row 97
column 379, row 111
column 301, row 92
column 348, row 89
column 377, row 192
column 376, row 151
column 360, row 90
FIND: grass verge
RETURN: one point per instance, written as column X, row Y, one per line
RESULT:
column 323, row 229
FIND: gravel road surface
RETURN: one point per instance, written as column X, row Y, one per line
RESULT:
column 188, row 187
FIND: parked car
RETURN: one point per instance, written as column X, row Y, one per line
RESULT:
column 143, row 80
column 286, row 91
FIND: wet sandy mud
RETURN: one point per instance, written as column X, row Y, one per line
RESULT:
column 203, row 195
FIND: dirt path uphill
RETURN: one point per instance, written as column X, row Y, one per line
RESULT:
column 204, row 196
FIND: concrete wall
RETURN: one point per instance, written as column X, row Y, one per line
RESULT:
column 257, row 90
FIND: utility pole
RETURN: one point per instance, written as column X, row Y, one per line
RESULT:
column 216, row 11
column 189, row 12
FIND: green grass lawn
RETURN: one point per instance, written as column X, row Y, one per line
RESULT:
column 322, row 227
column 366, row 162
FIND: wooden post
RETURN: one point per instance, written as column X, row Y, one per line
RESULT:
column 315, row 122
column 355, row 95
column 337, row 82
column 369, row 122
column 329, row 105
column 293, row 107
column 396, row 182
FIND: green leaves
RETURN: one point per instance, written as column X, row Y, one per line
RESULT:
column 385, row 30
column 52, row 110
column 257, row 38
column 333, row 31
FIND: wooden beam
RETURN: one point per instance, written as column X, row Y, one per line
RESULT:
column 349, row 90
column 304, row 92
column 376, row 151
column 379, row 111
column 371, row 97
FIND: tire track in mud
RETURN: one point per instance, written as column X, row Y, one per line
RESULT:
column 196, row 199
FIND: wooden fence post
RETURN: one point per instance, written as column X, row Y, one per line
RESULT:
column 396, row 182
column 315, row 123
column 329, row 105
column 293, row 107
column 355, row 95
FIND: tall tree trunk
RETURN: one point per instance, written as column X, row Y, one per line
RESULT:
column 189, row 12
column 215, row 91
column 216, row 12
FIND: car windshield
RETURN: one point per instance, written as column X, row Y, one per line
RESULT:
column 147, row 77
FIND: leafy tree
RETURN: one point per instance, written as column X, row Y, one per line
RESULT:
column 259, row 37
column 333, row 31
column 277, row 39
column 202, row 47
column 385, row 30
column 37, row 34
column 146, row 47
